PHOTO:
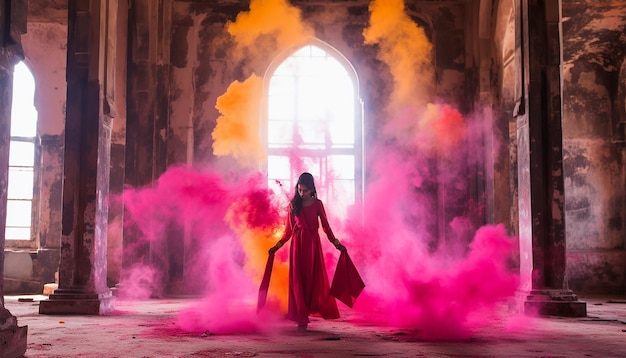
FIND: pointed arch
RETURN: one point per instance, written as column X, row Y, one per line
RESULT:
column 314, row 122
column 23, row 151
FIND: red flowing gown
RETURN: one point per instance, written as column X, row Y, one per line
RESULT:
column 309, row 291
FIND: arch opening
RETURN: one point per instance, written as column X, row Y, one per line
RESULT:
column 22, row 154
column 314, row 124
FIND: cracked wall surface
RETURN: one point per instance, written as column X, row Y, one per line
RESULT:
column 594, row 43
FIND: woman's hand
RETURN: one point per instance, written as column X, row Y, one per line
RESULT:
column 275, row 248
column 339, row 246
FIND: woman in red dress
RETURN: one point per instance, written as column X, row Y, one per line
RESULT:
column 308, row 280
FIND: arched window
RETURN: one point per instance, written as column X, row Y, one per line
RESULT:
column 21, row 156
column 314, row 124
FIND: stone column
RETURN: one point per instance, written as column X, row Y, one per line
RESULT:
column 540, row 162
column 147, row 121
column 12, row 25
column 83, row 266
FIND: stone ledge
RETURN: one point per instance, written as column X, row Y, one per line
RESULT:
column 78, row 304
column 563, row 303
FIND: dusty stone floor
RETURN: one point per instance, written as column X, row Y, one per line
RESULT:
column 147, row 329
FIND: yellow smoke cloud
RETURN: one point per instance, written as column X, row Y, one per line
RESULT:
column 237, row 129
column 276, row 18
column 237, row 132
column 405, row 48
column 255, row 243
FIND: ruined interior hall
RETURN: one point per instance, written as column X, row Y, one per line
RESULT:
column 469, row 154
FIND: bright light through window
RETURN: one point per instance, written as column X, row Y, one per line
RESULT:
column 23, row 112
column 21, row 156
column 311, row 125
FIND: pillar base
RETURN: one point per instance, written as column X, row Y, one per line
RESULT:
column 67, row 301
column 562, row 303
column 13, row 342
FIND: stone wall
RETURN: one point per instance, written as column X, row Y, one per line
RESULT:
column 595, row 191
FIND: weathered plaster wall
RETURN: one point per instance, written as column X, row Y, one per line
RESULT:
column 506, row 82
column 595, row 194
column 506, row 77
column 45, row 52
column 117, row 97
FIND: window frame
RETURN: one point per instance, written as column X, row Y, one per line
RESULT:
column 357, row 151
column 33, row 241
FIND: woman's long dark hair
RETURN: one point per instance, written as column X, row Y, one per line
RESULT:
column 296, row 202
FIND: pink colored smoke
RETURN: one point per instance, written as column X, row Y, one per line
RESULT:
column 416, row 237
column 428, row 264
column 180, row 234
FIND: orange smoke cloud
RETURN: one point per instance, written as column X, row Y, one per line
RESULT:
column 276, row 18
column 237, row 129
column 255, row 244
column 405, row 48
column 257, row 222
column 237, row 132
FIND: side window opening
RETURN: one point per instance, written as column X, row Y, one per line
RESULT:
column 22, row 154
